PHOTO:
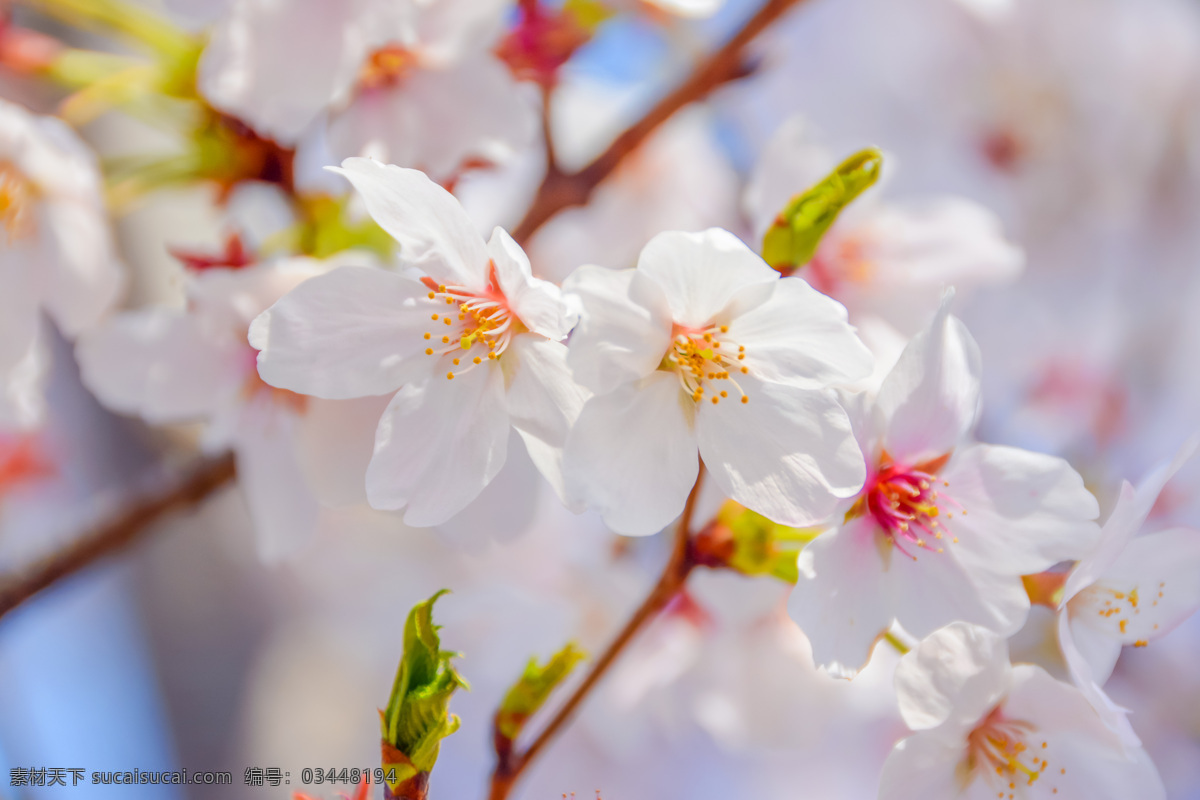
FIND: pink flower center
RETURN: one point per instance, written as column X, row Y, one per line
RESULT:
column 16, row 202
column 477, row 325
column 386, row 67
column 907, row 502
column 840, row 260
column 705, row 361
column 1000, row 749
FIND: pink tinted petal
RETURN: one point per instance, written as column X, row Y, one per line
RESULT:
column 632, row 455
column 930, row 399
column 439, row 443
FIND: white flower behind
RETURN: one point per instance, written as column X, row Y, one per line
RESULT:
column 171, row 366
column 704, row 349
column 467, row 342
column 56, row 252
column 987, row 729
column 944, row 527
column 410, row 82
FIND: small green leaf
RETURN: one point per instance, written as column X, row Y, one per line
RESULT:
column 416, row 718
column 759, row 546
column 533, row 688
column 793, row 238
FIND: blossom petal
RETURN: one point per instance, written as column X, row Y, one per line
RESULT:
column 1085, row 758
column 921, row 767
column 931, row 397
column 1024, row 512
column 838, row 601
column 82, row 278
column 505, row 508
column 352, row 332
column 701, row 272
column 335, row 440
column 1097, row 646
column 537, row 303
column 543, row 402
column 434, row 232
column 1081, row 669
column 22, row 360
column 788, row 453
column 632, row 455
column 250, row 67
column 955, row 675
column 283, row 509
column 439, row 443
column 932, row 588
column 800, row 337
column 162, row 365
column 624, row 327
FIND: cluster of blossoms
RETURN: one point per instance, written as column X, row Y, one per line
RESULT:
column 375, row 349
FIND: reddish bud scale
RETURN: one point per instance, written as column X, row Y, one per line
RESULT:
column 234, row 256
column 540, row 43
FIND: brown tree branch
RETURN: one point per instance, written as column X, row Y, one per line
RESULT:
column 127, row 527
column 562, row 190
column 510, row 765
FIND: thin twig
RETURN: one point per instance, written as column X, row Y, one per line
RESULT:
column 510, row 766
column 127, row 527
column 559, row 190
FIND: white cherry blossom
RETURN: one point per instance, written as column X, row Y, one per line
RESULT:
column 56, row 253
column 467, row 342
column 383, row 71
column 704, row 348
column 944, row 527
column 988, row 729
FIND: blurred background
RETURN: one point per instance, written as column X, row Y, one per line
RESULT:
column 1076, row 122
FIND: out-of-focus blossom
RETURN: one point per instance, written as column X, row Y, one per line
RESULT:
column 703, row 347
column 890, row 261
column 985, row 728
column 944, row 527
column 678, row 181
column 170, row 366
column 409, row 82
column 56, row 255
column 470, row 339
